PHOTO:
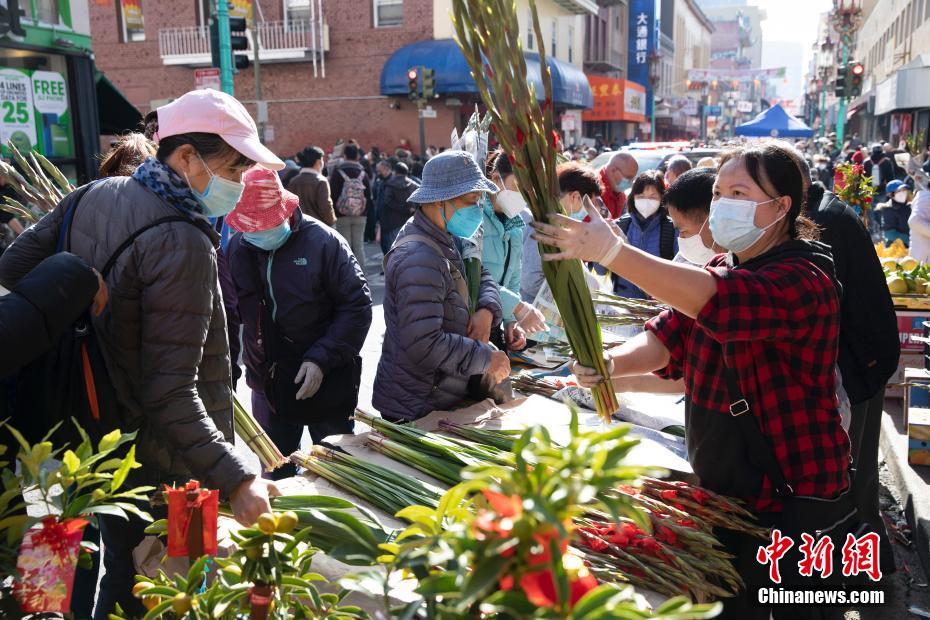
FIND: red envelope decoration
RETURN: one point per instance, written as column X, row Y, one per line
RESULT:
column 192, row 520
column 47, row 560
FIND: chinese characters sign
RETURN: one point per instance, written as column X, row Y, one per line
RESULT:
column 642, row 44
column 616, row 100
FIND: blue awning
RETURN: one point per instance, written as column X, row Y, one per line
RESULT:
column 569, row 84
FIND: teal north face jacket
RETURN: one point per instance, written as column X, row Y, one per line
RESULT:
column 502, row 254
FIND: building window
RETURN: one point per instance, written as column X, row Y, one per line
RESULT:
column 571, row 44
column 47, row 11
column 388, row 13
column 555, row 39
column 132, row 26
column 618, row 24
column 297, row 11
column 530, row 45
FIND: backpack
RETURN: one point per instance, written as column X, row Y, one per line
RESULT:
column 71, row 380
column 351, row 201
column 666, row 235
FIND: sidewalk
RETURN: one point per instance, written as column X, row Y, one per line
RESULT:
column 911, row 482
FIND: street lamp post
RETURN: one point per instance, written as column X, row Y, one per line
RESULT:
column 826, row 65
column 655, row 75
column 846, row 18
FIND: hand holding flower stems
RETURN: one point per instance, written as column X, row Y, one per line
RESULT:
column 596, row 240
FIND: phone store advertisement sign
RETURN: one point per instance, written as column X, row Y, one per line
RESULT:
column 17, row 110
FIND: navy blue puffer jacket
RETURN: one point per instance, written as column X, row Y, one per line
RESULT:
column 319, row 295
column 427, row 358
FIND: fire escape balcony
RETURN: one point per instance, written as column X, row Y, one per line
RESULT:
column 291, row 41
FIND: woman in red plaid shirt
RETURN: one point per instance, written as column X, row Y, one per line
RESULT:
column 770, row 312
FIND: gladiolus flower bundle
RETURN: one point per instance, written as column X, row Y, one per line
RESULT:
column 489, row 35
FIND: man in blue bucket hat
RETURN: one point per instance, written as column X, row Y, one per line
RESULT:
column 433, row 345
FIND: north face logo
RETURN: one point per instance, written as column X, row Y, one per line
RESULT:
column 300, row 262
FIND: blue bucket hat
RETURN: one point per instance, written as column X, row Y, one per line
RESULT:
column 449, row 175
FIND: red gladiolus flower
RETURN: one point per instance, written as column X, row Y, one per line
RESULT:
column 669, row 495
column 488, row 72
column 555, row 139
column 700, row 496
column 521, row 139
column 666, row 535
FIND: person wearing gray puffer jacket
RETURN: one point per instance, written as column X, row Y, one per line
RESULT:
column 163, row 333
column 432, row 345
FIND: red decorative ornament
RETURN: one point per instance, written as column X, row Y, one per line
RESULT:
column 192, row 520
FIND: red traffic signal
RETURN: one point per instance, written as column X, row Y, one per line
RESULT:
column 413, row 83
column 857, row 69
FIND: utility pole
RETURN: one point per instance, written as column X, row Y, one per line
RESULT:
column 421, row 105
column 256, row 52
column 226, row 75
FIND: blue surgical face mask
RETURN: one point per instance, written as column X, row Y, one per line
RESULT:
column 623, row 185
column 270, row 239
column 464, row 222
column 732, row 223
column 221, row 195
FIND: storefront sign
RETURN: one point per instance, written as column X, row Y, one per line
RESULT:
column 714, row 110
column 132, row 14
column 643, row 31
column 17, row 120
column 10, row 16
column 568, row 122
column 744, row 106
column 634, row 101
column 739, row 75
column 50, row 92
column 240, row 8
column 207, row 78
column 615, row 100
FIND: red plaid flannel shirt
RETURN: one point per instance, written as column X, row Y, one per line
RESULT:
column 783, row 323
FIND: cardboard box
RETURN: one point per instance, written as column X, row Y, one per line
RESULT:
column 909, row 359
column 911, row 324
column 918, row 436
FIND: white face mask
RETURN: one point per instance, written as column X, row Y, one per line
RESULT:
column 647, row 206
column 511, row 203
column 733, row 223
column 694, row 250
column 901, row 196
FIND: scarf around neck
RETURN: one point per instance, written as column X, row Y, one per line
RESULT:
column 168, row 185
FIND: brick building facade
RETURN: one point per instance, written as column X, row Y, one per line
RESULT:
column 302, row 109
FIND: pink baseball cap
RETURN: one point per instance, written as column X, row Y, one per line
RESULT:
column 264, row 203
column 210, row 111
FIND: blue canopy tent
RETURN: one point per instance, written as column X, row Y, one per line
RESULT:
column 570, row 87
column 775, row 123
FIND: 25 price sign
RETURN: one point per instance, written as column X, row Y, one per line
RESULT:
column 15, row 112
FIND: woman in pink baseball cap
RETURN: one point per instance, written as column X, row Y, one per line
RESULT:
column 305, row 309
column 163, row 333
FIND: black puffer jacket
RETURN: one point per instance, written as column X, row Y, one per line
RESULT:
column 40, row 306
column 395, row 209
column 163, row 334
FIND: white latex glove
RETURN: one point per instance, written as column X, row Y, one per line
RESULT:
column 311, row 376
column 590, row 377
column 596, row 240
column 529, row 318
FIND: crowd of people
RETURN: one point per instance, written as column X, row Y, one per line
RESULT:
column 267, row 265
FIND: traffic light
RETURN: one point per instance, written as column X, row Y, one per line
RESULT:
column 429, row 83
column 413, row 83
column 854, row 79
column 839, row 88
column 238, row 42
